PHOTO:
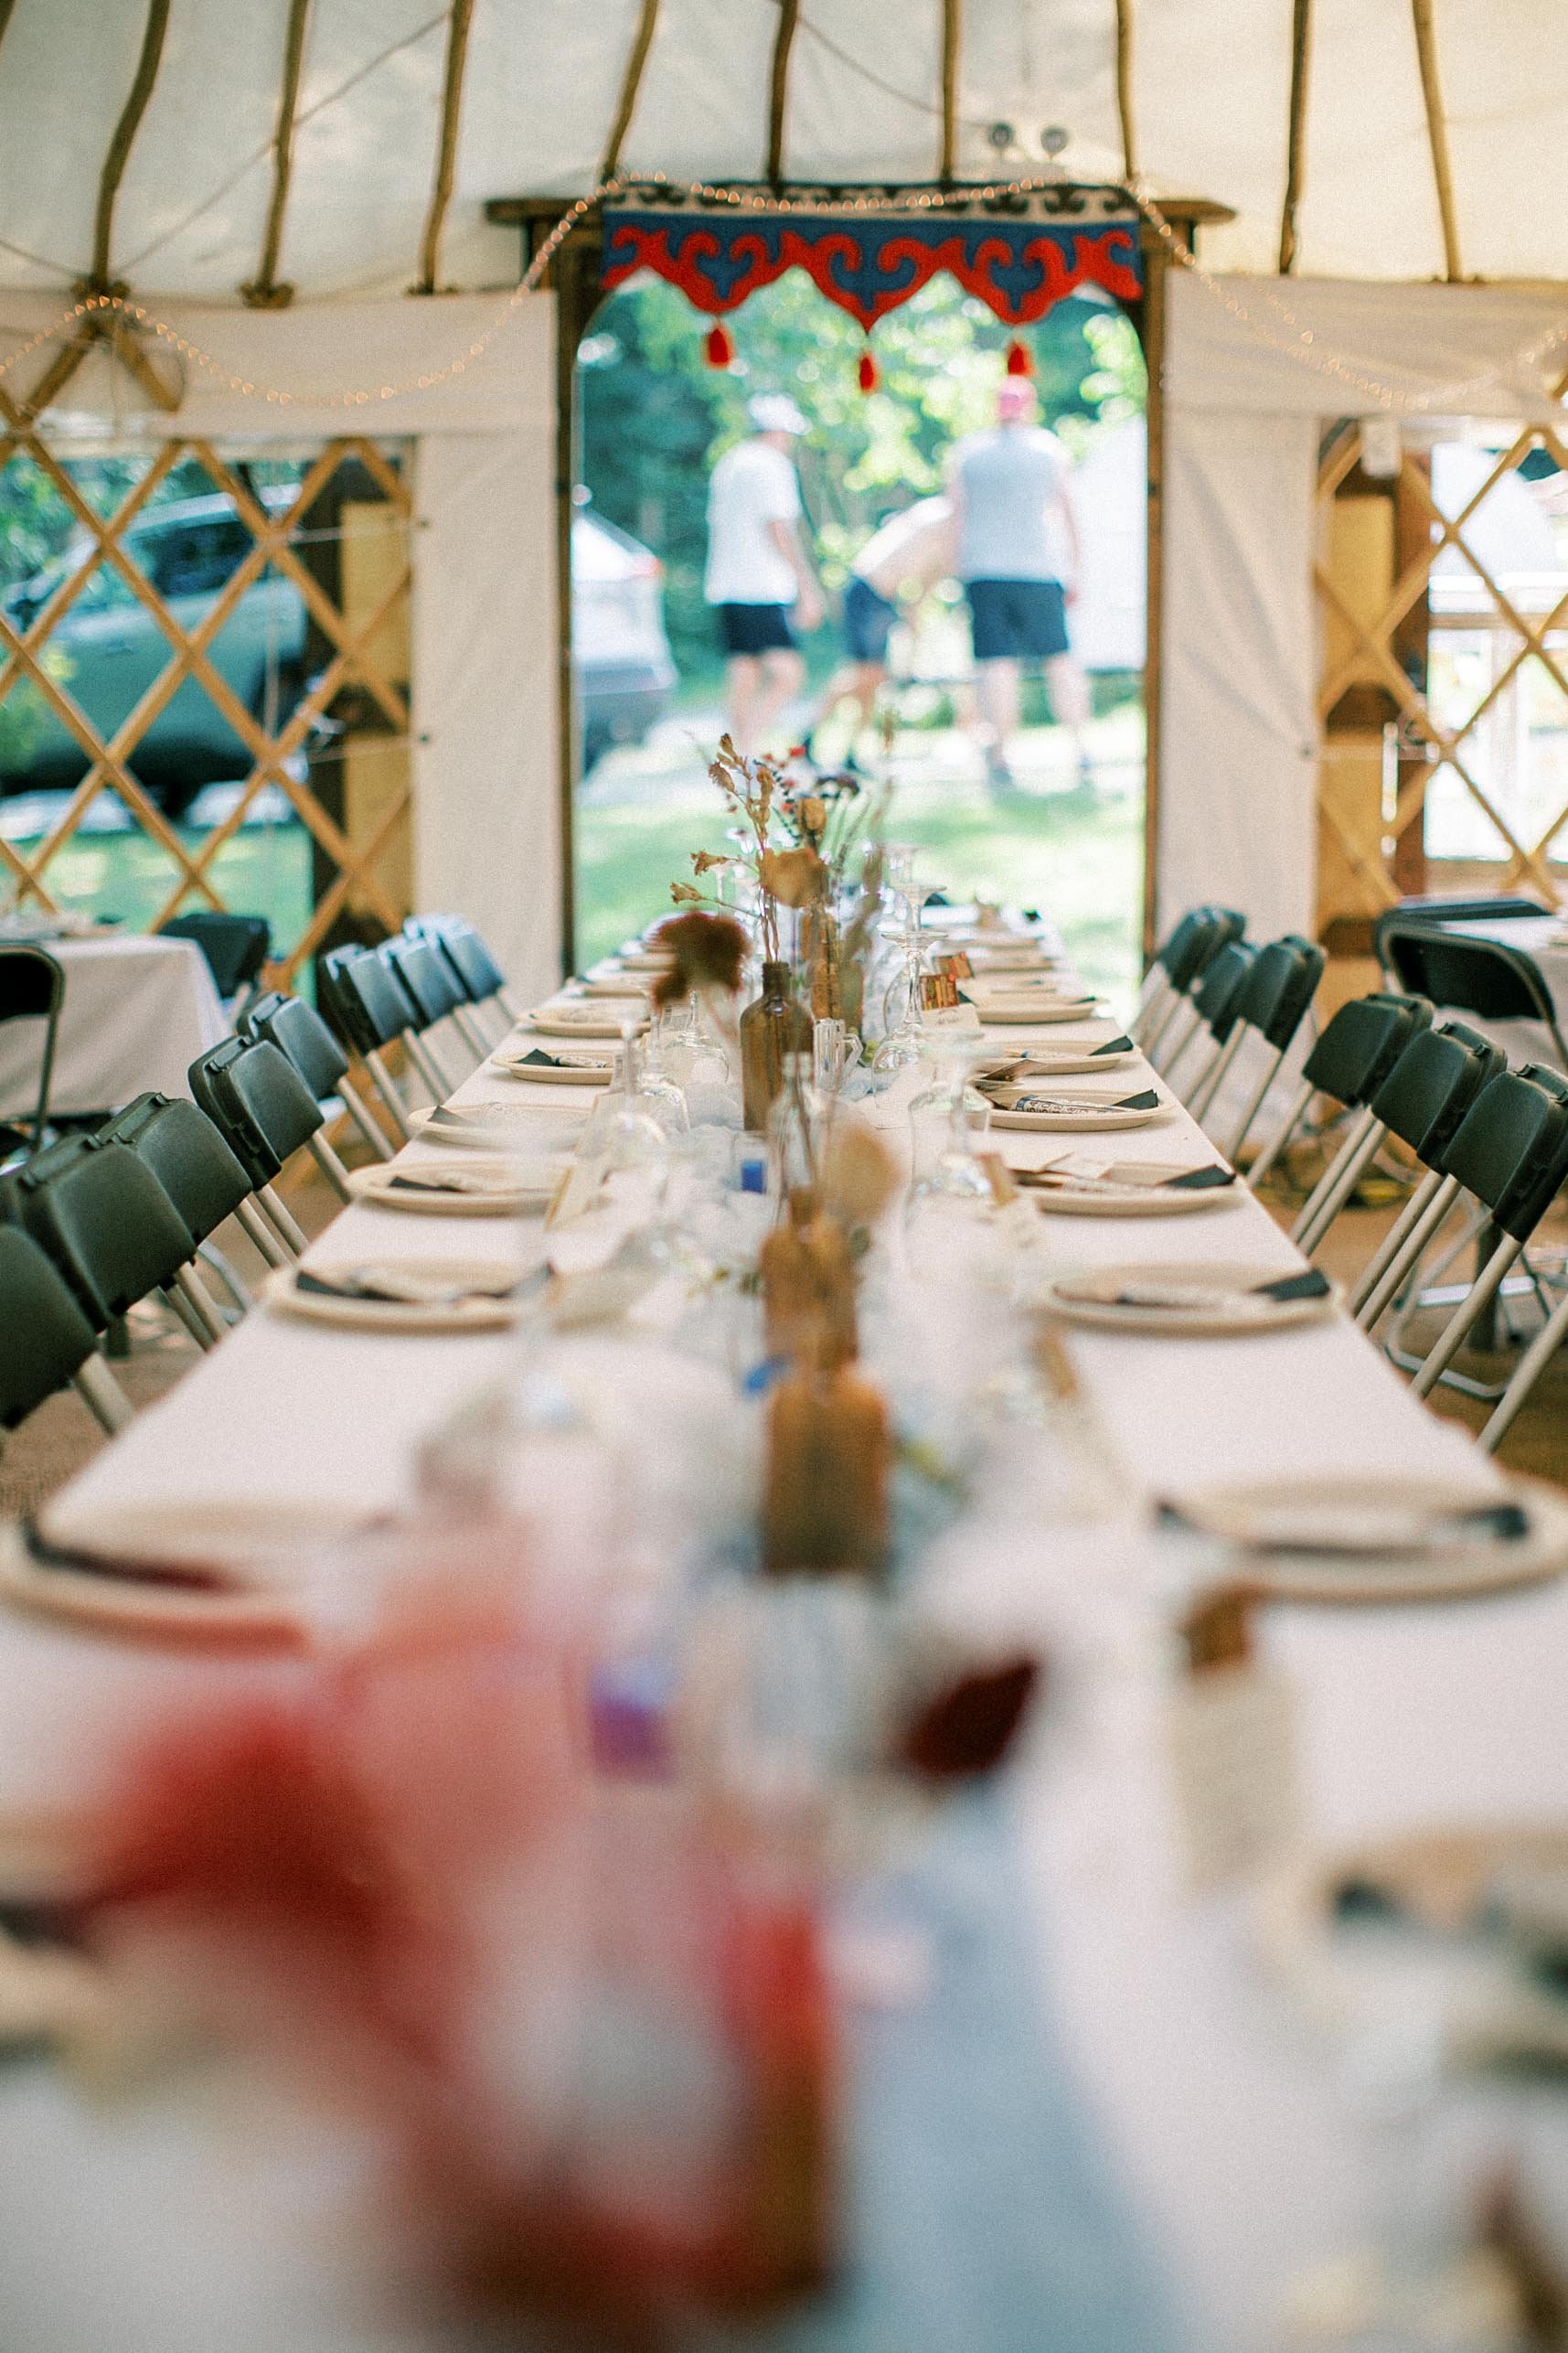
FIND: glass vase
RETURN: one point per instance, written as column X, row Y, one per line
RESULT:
column 771, row 1027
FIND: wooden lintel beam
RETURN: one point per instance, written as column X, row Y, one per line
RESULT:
column 1438, row 135
column 263, row 292
column 778, row 87
column 1296, row 146
column 446, row 159
column 124, row 137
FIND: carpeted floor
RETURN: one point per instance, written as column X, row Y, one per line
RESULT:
column 57, row 1439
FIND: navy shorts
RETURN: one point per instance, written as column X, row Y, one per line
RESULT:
column 867, row 622
column 1017, row 620
column 756, row 628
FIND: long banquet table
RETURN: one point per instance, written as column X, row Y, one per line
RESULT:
column 1220, row 2121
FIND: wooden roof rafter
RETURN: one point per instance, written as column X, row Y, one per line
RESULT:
column 1124, row 114
column 1296, row 143
column 458, row 21
column 778, row 87
column 1438, row 135
column 631, row 83
column 264, row 292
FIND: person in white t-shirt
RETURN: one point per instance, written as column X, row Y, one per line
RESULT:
column 909, row 551
column 759, row 579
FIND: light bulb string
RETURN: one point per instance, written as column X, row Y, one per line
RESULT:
column 1301, row 345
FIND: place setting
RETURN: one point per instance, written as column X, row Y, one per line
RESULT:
column 1074, row 1184
column 1010, row 1074
column 1206, row 1302
column 1021, row 1008
column 1067, row 1110
column 406, row 1295
column 545, row 1069
column 474, row 1187
column 517, row 1128
column 575, row 1018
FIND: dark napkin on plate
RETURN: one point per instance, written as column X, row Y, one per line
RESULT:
column 1199, row 1180
column 1147, row 1101
column 1113, row 1045
column 545, row 1060
column 1312, row 1285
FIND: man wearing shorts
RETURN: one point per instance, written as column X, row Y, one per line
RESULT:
column 1009, row 489
column 759, row 577
column 904, row 556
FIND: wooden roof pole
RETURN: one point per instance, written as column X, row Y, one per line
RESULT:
column 264, row 293
column 632, row 82
column 952, row 35
column 6, row 9
column 450, row 115
column 789, row 17
column 1438, row 135
column 125, row 132
column 1124, row 88
column 1296, row 149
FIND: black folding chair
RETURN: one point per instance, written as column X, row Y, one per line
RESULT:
column 236, row 949
column 1349, row 1061
column 199, row 1171
column 434, row 992
column 266, row 1114
column 299, row 1034
column 436, row 934
column 32, row 989
column 112, row 1231
column 1214, row 1007
column 1271, row 1005
column 46, row 1341
column 370, row 1009
column 1181, row 962
column 1483, row 978
column 1424, row 1101
column 477, row 969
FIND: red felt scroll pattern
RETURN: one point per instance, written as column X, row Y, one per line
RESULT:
column 1104, row 258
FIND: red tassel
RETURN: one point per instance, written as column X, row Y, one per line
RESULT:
column 870, row 379
column 1020, row 361
column 721, row 347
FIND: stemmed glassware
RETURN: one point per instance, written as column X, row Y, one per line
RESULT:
column 902, row 1035
column 625, row 1133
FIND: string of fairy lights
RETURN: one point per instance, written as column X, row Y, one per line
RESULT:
column 1298, row 342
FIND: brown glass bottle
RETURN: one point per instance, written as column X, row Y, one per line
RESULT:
column 772, row 1027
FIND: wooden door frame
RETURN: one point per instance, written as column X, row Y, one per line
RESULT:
column 574, row 278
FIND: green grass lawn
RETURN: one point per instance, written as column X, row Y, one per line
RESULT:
column 1075, row 854
column 264, row 869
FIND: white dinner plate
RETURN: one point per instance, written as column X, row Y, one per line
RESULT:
column 562, row 1070
column 1369, row 1541
column 469, row 1187
column 1108, row 1198
column 587, row 1021
column 626, row 985
column 1049, row 1062
column 1027, row 1012
column 1072, row 1114
column 1190, row 1302
column 258, row 1551
column 490, row 1305
column 521, row 1128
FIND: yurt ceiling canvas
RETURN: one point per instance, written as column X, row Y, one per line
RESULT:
column 1391, row 96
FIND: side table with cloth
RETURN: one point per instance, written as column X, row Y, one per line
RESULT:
column 138, row 1009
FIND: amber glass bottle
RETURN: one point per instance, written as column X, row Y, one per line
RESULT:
column 772, row 1027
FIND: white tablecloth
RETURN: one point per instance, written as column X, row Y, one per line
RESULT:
column 138, row 1009
column 1221, row 2114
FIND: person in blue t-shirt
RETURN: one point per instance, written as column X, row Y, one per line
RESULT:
column 1014, row 523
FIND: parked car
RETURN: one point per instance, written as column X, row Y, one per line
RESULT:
column 625, row 673
column 108, row 650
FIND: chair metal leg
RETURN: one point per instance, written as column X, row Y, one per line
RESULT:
column 468, row 1030
column 202, row 1302
column 1527, row 1372
column 1339, row 1181
column 1402, row 1263
column 361, row 1118
column 261, row 1233
column 281, row 1221
column 1260, row 1095
column 1393, row 1241
column 181, row 1307
column 1203, row 1094
column 1170, row 1041
column 106, row 1401
column 331, row 1167
column 387, row 1088
column 425, row 1061
column 1483, row 1290
column 1280, row 1138
column 1152, row 1008
column 227, row 1274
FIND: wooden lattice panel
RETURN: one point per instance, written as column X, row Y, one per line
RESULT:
column 1360, row 651
column 359, row 656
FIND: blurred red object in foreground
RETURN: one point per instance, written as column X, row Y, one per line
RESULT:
column 594, row 2044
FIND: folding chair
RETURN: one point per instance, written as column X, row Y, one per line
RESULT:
column 32, row 989
column 1349, row 1062
column 434, row 992
column 1214, row 1010
column 266, row 1114
column 368, row 1007
column 112, row 1231
column 236, row 949
column 1424, row 1101
column 476, row 968
column 437, row 933
column 1511, row 1153
column 312, row 1053
column 46, row 1341
column 1480, row 977
column 197, row 1169
column 1271, row 1004
column 1184, row 960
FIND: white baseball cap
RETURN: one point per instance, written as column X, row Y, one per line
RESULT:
column 775, row 412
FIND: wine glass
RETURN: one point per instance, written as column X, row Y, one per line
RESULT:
column 626, row 1137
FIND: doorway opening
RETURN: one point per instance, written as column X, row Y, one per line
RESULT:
column 652, row 418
